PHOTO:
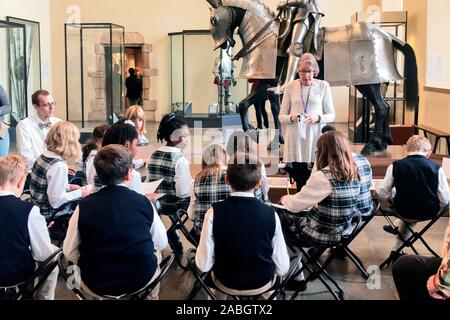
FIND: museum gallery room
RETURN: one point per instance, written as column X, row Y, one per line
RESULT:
column 224, row 150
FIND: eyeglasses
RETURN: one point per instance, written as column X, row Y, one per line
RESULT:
column 306, row 71
column 48, row 105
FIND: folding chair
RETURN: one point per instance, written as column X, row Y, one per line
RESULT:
column 28, row 287
column 181, row 217
column 170, row 210
column 179, row 220
column 138, row 295
column 415, row 235
column 311, row 258
column 346, row 240
column 204, row 281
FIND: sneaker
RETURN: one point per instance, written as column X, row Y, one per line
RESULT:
column 296, row 285
column 390, row 229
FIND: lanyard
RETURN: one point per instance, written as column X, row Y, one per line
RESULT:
column 305, row 106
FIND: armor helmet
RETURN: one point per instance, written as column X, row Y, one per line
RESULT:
column 221, row 19
column 215, row 3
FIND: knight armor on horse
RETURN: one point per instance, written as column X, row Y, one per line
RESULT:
column 358, row 54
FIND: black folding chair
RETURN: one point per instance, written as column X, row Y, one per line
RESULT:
column 138, row 295
column 28, row 287
column 204, row 281
column 170, row 208
column 179, row 220
column 346, row 240
column 181, row 217
column 415, row 235
column 317, row 270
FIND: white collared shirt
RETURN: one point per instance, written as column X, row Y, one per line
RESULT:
column 41, row 246
column 58, row 183
column 183, row 178
column 73, row 241
column 204, row 257
column 30, row 138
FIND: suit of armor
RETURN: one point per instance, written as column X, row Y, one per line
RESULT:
column 300, row 23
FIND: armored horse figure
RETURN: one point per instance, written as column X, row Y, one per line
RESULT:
column 360, row 54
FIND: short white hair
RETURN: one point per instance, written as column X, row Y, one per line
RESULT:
column 418, row 144
column 310, row 60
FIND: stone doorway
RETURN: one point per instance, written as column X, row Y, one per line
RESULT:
column 138, row 52
column 134, row 41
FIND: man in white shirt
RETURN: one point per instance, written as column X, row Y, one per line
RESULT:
column 32, row 131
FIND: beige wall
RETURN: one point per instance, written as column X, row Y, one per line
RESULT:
column 438, row 51
column 154, row 20
column 434, row 109
column 36, row 11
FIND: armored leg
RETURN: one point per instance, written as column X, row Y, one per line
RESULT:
column 299, row 32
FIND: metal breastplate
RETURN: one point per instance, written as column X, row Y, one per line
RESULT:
column 359, row 54
column 260, row 62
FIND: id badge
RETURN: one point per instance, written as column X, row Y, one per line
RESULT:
column 301, row 127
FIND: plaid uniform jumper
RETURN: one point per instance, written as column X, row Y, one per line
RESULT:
column 39, row 185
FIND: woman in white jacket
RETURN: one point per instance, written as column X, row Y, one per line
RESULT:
column 307, row 106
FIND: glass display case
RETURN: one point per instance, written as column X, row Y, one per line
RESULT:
column 94, row 55
column 361, row 113
column 33, row 59
column 13, row 75
column 203, row 81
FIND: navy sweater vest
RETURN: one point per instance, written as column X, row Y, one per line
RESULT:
column 116, row 249
column 243, row 230
column 416, row 181
column 16, row 261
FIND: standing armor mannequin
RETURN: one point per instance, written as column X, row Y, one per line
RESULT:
column 299, row 32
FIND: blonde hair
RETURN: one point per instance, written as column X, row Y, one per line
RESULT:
column 136, row 112
column 63, row 139
column 214, row 157
column 418, row 144
column 334, row 151
column 12, row 167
